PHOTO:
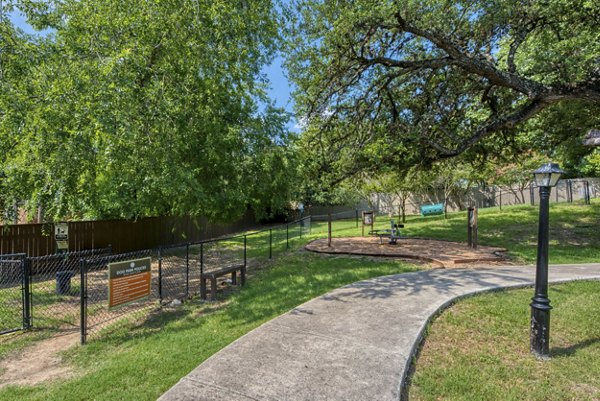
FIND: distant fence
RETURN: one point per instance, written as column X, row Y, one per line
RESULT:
column 570, row 190
column 122, row 235
column 70, row 290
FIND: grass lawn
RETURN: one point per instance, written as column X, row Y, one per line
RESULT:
column 479, row 349
column 141, row 363
column 573, row 231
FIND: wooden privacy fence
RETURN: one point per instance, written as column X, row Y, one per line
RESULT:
column 122, row 235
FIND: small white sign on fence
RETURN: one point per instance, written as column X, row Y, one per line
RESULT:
column 61, row 235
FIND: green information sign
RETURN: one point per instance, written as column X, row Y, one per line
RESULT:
column 129, row 281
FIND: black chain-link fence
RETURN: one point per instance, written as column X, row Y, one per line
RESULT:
column 175, row 272
column 96, row 314
column 344, row 224
column 13, row 293
column 223, row 252
column 55, row 287
column 77, row 289
column 276, row 240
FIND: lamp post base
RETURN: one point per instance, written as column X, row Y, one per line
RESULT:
column 540, row 330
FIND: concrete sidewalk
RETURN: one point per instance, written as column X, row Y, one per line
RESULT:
column 354, row 343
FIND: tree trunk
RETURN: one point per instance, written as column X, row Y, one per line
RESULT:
column 403, row 209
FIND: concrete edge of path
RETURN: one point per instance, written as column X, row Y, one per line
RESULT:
column 409, row 368
column 356, row 342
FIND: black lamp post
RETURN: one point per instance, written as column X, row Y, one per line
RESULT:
column 545, row 177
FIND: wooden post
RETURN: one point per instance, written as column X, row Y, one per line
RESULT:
column 472, row 227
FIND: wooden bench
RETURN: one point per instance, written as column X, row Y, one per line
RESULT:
column 212, row 276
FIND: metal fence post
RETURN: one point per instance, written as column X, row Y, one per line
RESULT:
column 201, row 258
column 83, row 301
column 160, row 275
column 300, row 224
column 270, row 243
column 26, row 293
column 187, row 270
column 329, row 229
column 287, row 236
column 245, row 253
column 470, row 226
column 586, row 186
column 356, row 218
column 531, row 195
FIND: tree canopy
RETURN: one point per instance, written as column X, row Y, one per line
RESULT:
column 142, row 108
column 406, row 82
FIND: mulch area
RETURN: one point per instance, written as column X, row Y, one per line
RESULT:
column 440, row 253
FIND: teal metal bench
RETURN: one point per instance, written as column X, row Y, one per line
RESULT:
column 432, row 210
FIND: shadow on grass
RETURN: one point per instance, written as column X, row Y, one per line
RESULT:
column 571, row 350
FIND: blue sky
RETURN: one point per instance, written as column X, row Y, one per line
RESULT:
column 280, row 89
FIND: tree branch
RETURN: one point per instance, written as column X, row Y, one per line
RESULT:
column 509, row 121
column 478, row 66
column 410, row 65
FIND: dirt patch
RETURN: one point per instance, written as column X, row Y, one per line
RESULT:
column 39, row 363
column 439, row 253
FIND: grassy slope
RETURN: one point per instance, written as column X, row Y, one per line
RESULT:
column 573, row 231
column 141, row 364
column 479, row 349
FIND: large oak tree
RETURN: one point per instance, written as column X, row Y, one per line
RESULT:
column 403, row 82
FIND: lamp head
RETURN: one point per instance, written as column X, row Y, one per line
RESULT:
column 547, row 175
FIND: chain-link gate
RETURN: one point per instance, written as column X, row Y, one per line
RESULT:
column 55, row 287
column 14, row 294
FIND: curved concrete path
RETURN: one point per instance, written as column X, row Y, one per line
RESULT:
column 354, row 343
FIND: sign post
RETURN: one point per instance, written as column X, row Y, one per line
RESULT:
column 129, row 281
column 368, row 219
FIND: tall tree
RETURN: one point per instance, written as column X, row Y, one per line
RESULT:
column 439, row 78
column 150, row 107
